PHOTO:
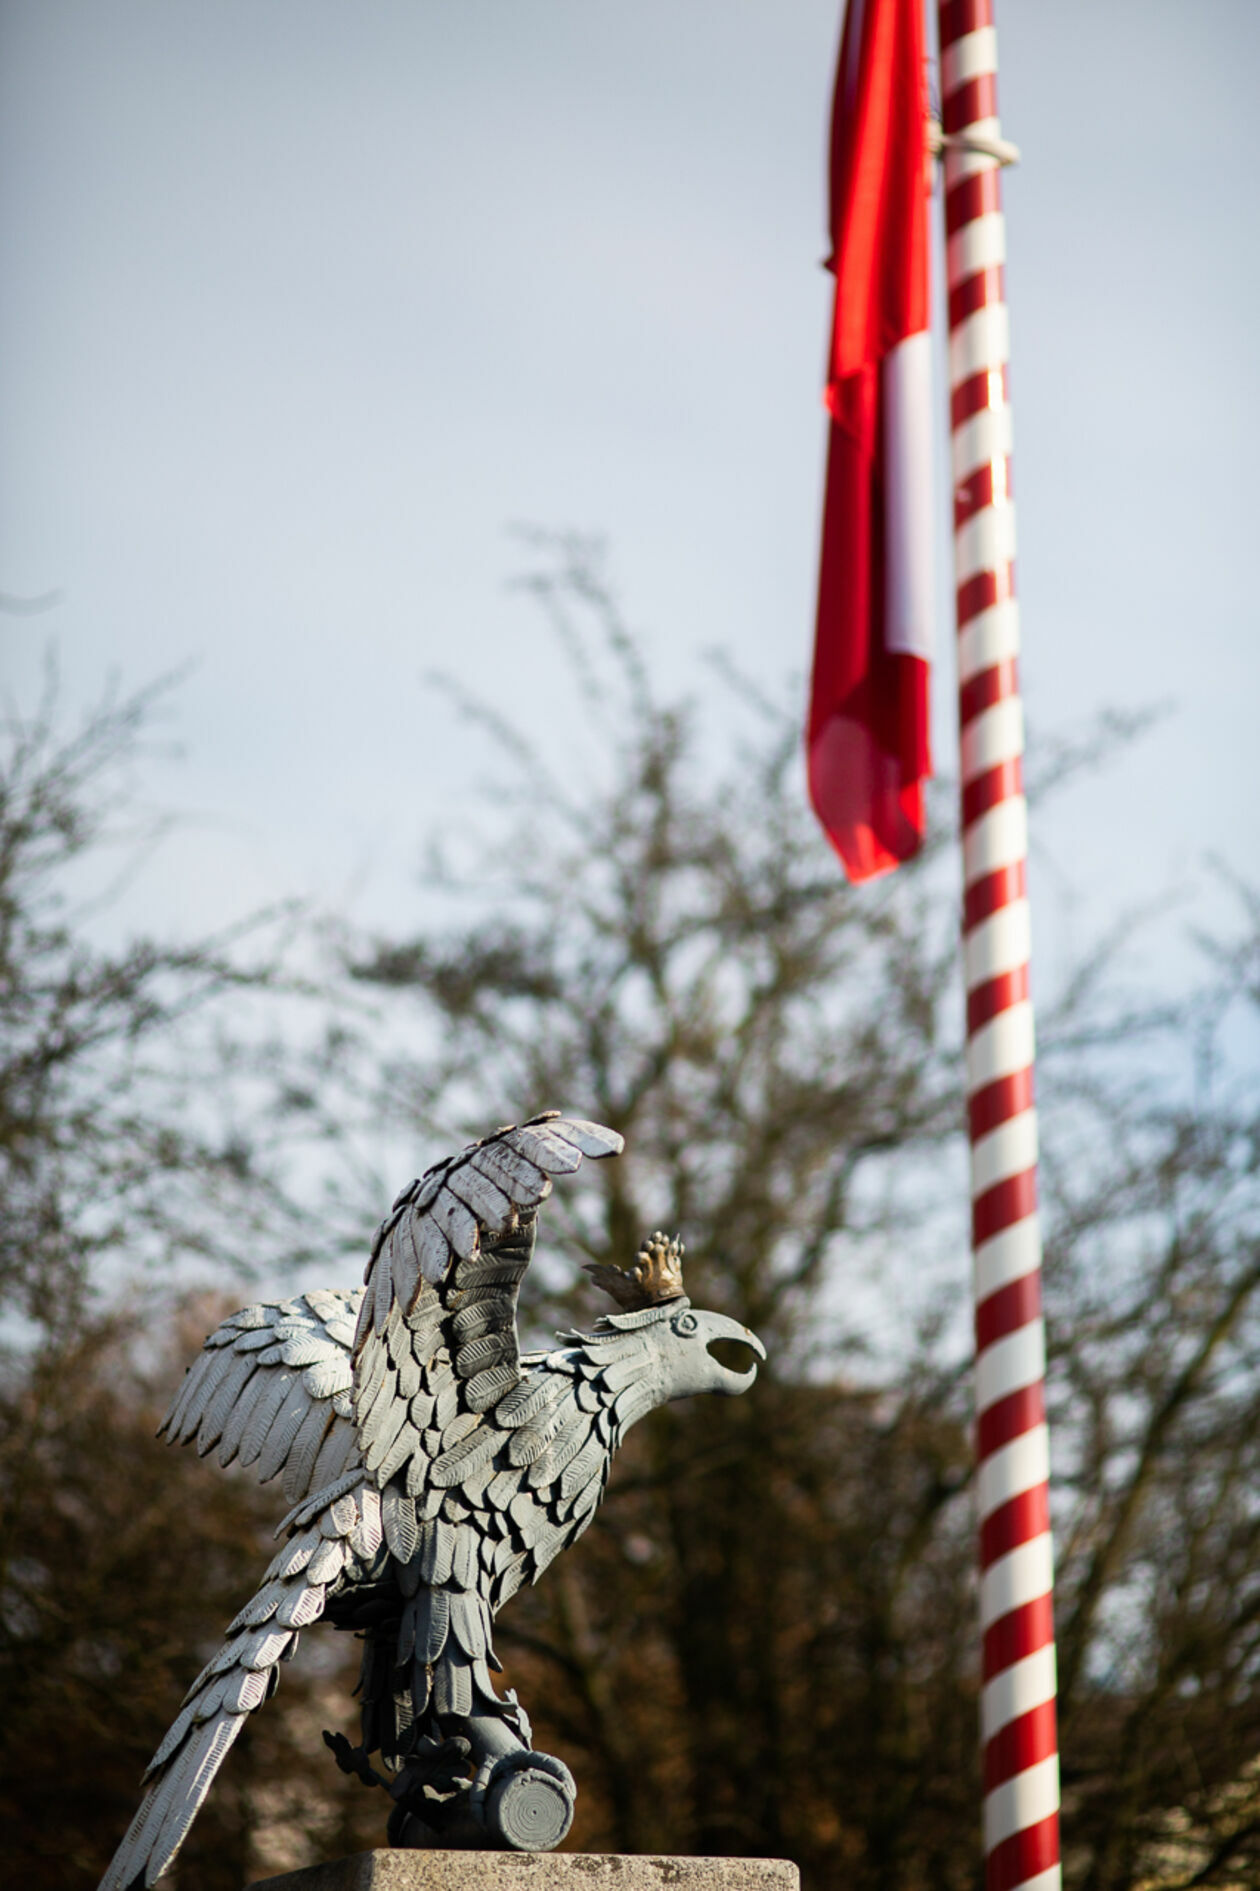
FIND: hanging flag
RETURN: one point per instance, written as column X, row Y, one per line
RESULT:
column 868, row 716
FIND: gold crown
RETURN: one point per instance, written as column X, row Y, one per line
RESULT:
column 656, row 1275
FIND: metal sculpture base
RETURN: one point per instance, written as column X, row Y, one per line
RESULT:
column 519, row 1800
column 536, row 1871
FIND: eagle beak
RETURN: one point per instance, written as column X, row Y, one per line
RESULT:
column 724, row 1337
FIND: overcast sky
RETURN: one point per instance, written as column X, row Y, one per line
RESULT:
column 303, row 303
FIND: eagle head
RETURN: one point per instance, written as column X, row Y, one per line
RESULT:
column 681, row 1340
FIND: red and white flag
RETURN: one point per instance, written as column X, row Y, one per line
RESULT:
column 868, row 717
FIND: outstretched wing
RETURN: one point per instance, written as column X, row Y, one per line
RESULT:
column 327, row 1540
column 272, row 1389
column 436, row 1347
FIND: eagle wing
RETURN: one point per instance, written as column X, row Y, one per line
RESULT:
column 436, row 1347
column 326, row 1540
column 272, row 1389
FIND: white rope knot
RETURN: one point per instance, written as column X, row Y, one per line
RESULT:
column 1001, row 150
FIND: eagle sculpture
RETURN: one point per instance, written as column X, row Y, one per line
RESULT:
column 432, row 1468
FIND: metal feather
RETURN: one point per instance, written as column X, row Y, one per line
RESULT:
column 531, row 1396
column 545, row 1150
column 382, row 1288
column 433, row 1617
column 245, row 1692
column 305, row 1449
column 468, row 1623
column 332, row 1374
column 403, row 1260
column 380, row 1437
column 398, row 1520
column 240, row 1415
column 327, row 1563
column 180, row 1420
column 464, row 1563
column 308, row 1348
column 431, row 1247
column 403, row 1449
column 467, row 1456
column 264, row 1411
column 237, row 1374
column 249, row 1318
column 488, row 1202
column 305, row 1604
column 488, row 1384
column 574, row 1477
column 457, row 1223
column 295, row 1555
column 520, row 1179
column 591, row 1138
column 452, row 1686
column 331, row 1461
column 282, row 1432
column 437, row 1547
column 260, row 1338
column 495, row 1348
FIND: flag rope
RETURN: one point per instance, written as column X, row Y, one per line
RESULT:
column 1018, row 1719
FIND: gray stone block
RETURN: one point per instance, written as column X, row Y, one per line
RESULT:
column 535, row 1871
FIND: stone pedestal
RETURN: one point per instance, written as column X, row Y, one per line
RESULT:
column 535, row 1871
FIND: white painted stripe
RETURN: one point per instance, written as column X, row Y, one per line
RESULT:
column 1016, row 1578
column 1001, row 1047
column 1020, row 1802
column 1007, row 1150
column 980, row 440
column 960, row 164
column 995, row 735
column 982, row 340
column 1017, row 1690
column 997, row 838
column 985, row 541
column 1016, row 1360
column 968, row 57
column 1000, row 943
column 990, row 638
column 1019, row 1466
column 1007, row 1256
column 978, row 245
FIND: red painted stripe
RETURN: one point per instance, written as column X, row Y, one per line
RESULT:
column 980, row 291
column 1021, row 1743
column 976, row 196
column 989, row 686
column 1005, row 1097
column 984, row 1002
column 1009, row 1418
column 1005, row 1311
column 1002, row 1205
column 986, row 588
column 974, row 99
column 981, row 488
column 1002, row 782
column 1021, row 1632
column 1023, row 1855
column 960, row 17
column 988, row 388
column 1014, row 1523
column 992, row 891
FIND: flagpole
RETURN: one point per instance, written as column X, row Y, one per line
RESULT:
column 1018, row 1724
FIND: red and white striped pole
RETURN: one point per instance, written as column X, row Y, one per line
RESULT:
column 1021, row 1767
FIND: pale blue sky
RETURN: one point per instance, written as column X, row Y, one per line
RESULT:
column 302, row 303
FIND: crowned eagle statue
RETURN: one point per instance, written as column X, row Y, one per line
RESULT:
column 432, row 1468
